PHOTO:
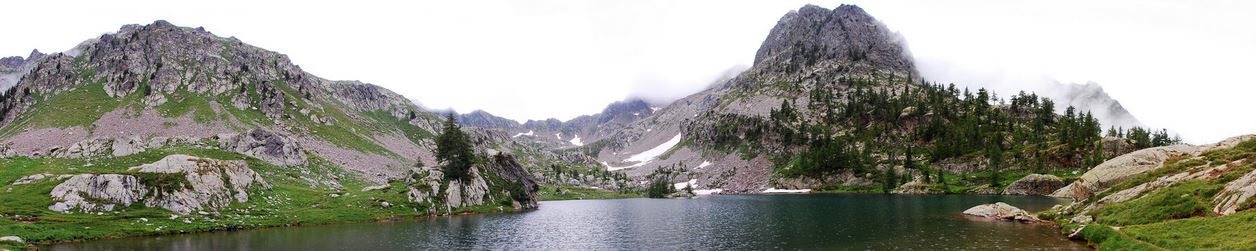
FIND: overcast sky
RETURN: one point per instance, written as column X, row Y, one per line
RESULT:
column 1181, row 65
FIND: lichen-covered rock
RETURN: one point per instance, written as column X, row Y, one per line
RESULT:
column 266, row 145
column 1001, row 211
column 1035, row 184
column 178, row 183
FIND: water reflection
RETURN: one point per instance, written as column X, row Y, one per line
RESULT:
column 877, row 222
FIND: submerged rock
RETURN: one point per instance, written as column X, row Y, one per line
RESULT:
column 178, row 183
column 1002, row 211
column 1035, row 184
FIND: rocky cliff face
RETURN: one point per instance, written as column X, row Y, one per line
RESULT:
column 847, row 33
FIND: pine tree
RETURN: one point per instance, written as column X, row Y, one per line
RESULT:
column 453, row 149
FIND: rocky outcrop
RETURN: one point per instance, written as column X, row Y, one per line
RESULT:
column 1002, row 211
column 1035, row 184
column 917, row 186
column 427, row 187
column 266, row 145
column 1116, row 169
column 97, row 192
column 1237, row 195
column 847, row 33
column 522, row 187
column 178, row 183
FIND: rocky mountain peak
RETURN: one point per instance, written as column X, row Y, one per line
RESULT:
column 813, row 34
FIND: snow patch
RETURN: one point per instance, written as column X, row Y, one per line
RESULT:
column 682, row 185
column 774, row 190
column 576, row 141
column 707, row 191
column 654, row 109
column 523, row 134
column 649, row 155
column 704, row 164
column 646, row 156
column 559, row 136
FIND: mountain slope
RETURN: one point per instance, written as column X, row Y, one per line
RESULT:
column 1174, row 197
column 833, row 102
column 198, row 132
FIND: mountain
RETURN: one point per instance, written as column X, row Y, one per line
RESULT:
column 12, row 68
column 834, row 102
column 1091, row 97
column 557, row 134
column 158, row 120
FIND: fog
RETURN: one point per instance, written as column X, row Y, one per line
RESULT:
column 1177, row 65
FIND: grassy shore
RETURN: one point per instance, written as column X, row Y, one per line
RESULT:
column 565, row 192
column 292, row 201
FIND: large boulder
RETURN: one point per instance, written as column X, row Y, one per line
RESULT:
column 178, row 183
column 1001, row 211
column 97, row 192
column 1035, row 184
column 1117, row 169
column 266, row 145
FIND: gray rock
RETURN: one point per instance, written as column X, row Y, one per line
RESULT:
column 14, row 239
column 266, row 145
column 1001, row 211
column 847, row 33
column 1035, row 184
column 1235, row 194
column 97, row 192
column 916, row 186
column 204, row 184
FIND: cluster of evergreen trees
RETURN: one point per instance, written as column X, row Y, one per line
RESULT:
column 854, row 124
column 454, row 150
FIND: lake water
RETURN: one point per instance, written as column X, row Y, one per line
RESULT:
column 729, row 222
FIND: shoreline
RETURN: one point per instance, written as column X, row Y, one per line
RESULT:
column 395, row 218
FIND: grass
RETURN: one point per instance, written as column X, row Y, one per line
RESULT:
column 183, row 102
column 1182, row 200
column 1179, row 217
column 551, row 192
column 292, row 200
column 1231, row 232
column 1107, row 238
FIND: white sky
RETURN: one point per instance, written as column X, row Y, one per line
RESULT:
column 1181, row 65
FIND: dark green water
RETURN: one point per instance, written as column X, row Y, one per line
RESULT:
column 751, row 222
